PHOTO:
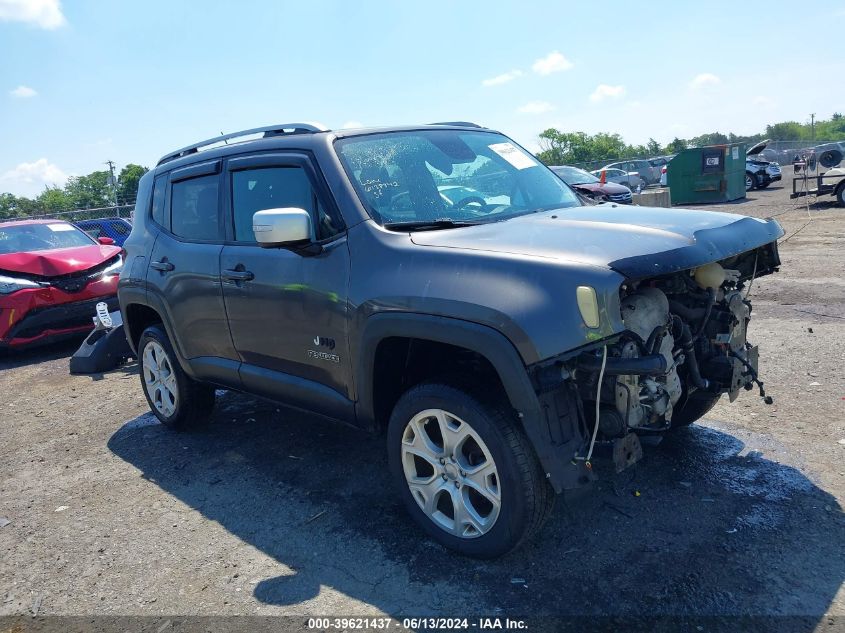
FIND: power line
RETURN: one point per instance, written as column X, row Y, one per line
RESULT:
column 113, row 180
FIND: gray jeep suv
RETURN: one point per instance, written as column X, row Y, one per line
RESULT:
column 439, row 284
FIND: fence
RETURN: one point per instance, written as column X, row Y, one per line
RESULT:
column 782, row 152
column 123, row 211
column 98, row 222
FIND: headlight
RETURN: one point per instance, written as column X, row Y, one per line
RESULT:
column 8, row 285
column 588, row 305
column 114, row 269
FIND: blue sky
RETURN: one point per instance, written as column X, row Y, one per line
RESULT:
column 83, row 81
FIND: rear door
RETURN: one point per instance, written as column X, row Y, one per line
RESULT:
column 184, row 270
column 287, row 312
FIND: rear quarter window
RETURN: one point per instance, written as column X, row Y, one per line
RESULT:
column 159, row 191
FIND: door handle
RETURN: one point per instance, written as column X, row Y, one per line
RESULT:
column 238, row 275
column 162, row 266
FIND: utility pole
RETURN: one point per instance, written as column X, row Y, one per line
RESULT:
column 813, row 126
column 113, row 182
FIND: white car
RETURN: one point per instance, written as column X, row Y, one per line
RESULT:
column 630, row 179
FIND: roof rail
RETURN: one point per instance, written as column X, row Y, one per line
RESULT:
column 270, row 130
column 458, row 124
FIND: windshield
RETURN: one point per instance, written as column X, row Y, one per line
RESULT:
column 574, row 176
column 431, row 176
column 23, row 238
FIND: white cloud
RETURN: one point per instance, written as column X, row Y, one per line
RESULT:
column 552, row 63
column 604, row 91
column 23, row 92
column 504, row 78
column 46, row 14
column 704, row 79
column 349, row 125
column 28, row 177
column 536, row 107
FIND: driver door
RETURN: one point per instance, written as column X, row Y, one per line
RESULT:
column 287, row 312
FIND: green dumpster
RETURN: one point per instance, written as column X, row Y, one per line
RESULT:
column 715, row 173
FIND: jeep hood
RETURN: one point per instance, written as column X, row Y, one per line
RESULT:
column 60, row 261
column 636, row 242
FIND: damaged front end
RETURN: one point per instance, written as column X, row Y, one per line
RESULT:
column 683, row 346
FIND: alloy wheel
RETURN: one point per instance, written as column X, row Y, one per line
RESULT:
column 160, row 380
column 451, row 473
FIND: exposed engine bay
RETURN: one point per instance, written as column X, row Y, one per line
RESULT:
column 685, row 340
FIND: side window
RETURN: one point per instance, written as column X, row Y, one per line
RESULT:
column 158, row 199
column 193, row 208
column 272, row 188
column 328, row 224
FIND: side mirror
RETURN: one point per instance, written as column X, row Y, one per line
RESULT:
column 275, row 228
column 106, row 241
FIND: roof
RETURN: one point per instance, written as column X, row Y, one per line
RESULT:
column 284, row 135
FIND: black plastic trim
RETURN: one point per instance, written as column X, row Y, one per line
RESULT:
column 297, row 392
column 193, row 171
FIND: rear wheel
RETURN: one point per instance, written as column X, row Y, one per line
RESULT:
column 840, row 194
column 465, row 470
column 174, row 398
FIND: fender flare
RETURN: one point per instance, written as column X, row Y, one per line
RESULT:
column 491, row 344
column 133, row 296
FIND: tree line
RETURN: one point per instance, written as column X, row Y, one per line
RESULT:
column 568, row 148
column 92, row 191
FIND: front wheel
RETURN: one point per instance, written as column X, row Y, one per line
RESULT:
column 693, row 409
column 175, row 399
column 465, row 470
column 840, row 195
column 750, row 181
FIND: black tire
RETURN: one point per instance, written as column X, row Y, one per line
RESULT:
column 526, row 497
column 693, row 409
column 750, row 181
column 194, row 401
column 840, row 194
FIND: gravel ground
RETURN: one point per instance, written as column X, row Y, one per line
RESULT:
column 271, row 512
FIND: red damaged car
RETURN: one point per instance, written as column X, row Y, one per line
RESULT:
column 52, row 275
column 588, row 185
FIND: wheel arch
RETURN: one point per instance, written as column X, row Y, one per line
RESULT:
column 137, row 317
column 141, row 310
column 486, row 343
column 389, row 332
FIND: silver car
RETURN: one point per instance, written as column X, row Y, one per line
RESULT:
column 630, row 179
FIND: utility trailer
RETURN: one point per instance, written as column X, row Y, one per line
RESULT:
column 831, row 183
